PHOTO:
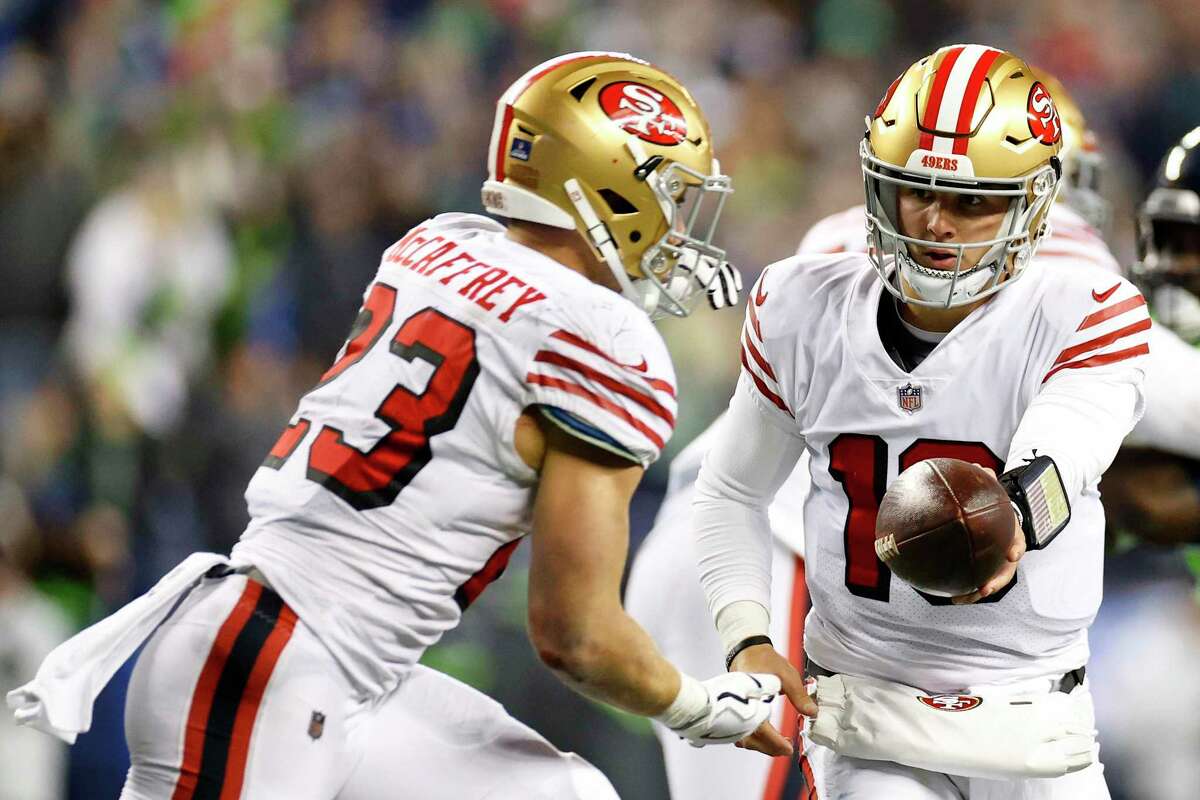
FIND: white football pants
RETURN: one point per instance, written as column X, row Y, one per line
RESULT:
column 664, row 596
column 838, row 777
column 234, row 697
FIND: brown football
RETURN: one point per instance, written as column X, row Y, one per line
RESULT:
column 944, row 526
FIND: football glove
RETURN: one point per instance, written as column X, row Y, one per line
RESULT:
column 734, row 705
column 721, row 281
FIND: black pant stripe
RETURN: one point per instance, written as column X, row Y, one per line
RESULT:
column 218, row 732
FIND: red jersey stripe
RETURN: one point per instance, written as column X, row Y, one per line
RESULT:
column 645, row 401
column 810, row 793
column 754, row 320
column 206, row 688
column 1102, row 359
column 1128, row 304
column 970, row 98
column 582, row 344
column 490, row 572
column 763, row 364
column 604, row 403
column 934, row 104
column 1102, row 341
column 247, row 713
column 764, row 389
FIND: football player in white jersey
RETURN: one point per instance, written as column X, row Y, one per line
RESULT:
column 681, row 624
column 1153, row 737
column 1167, row 442
column 497, row 383
column 947, row 339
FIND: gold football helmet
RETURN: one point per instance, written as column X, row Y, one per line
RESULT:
column 969, row 120
column 1082, row 161
column 618, row 150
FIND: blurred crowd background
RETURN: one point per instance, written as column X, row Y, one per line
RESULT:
column 194, row 193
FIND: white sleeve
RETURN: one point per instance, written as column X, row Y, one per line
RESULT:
column 1172, row 419
column 751, row 456
column 1079, row 420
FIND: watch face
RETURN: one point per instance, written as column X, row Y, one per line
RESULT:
column 1046, row 498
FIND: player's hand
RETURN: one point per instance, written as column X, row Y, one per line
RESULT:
column 738, row 702
column 721, row 280
column 1006, row 573
column 765, row 658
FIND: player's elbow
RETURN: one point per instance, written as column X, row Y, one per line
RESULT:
column 564, row 642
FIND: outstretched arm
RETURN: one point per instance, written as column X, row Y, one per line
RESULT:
column 576, row 621
column 749, row 460
column 580, row 543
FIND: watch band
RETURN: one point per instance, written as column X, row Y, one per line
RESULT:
column 749, row 641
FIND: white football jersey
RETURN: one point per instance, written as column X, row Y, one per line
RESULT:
column 395, row 495
column 813, row 359
column 1173, row 373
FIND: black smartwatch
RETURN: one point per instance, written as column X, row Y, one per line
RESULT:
column 1040, row 500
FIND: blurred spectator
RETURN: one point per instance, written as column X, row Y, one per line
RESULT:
column 30, row 626
column 42, row 199
column 147, row 274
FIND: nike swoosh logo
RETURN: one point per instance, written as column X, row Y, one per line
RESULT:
column 638, row 367
column 1100, row 297
column 760, row 296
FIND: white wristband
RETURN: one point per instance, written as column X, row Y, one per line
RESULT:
column 690, row 704
column 740, row 620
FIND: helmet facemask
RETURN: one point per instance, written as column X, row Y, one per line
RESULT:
column 1082, row 174
column 1007, row 253
column 690, row 204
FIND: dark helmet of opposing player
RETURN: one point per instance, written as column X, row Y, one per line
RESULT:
column 619, row 150
column 1168, row 225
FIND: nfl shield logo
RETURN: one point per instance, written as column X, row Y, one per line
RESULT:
column 521, row 149
column 909, row 397
column 316, row 725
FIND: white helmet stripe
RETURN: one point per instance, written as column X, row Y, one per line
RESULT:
column 955, row 95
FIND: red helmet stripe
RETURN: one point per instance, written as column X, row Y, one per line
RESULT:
column 971, row 97
column 934, row 104
column 502, row 140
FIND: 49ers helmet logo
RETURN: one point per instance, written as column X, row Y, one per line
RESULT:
column 1043, row 115
column 646, row 113
column 952, row 702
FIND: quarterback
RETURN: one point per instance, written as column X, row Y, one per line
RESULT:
column 682, row 626
column 499, row 382
column 946, row 339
